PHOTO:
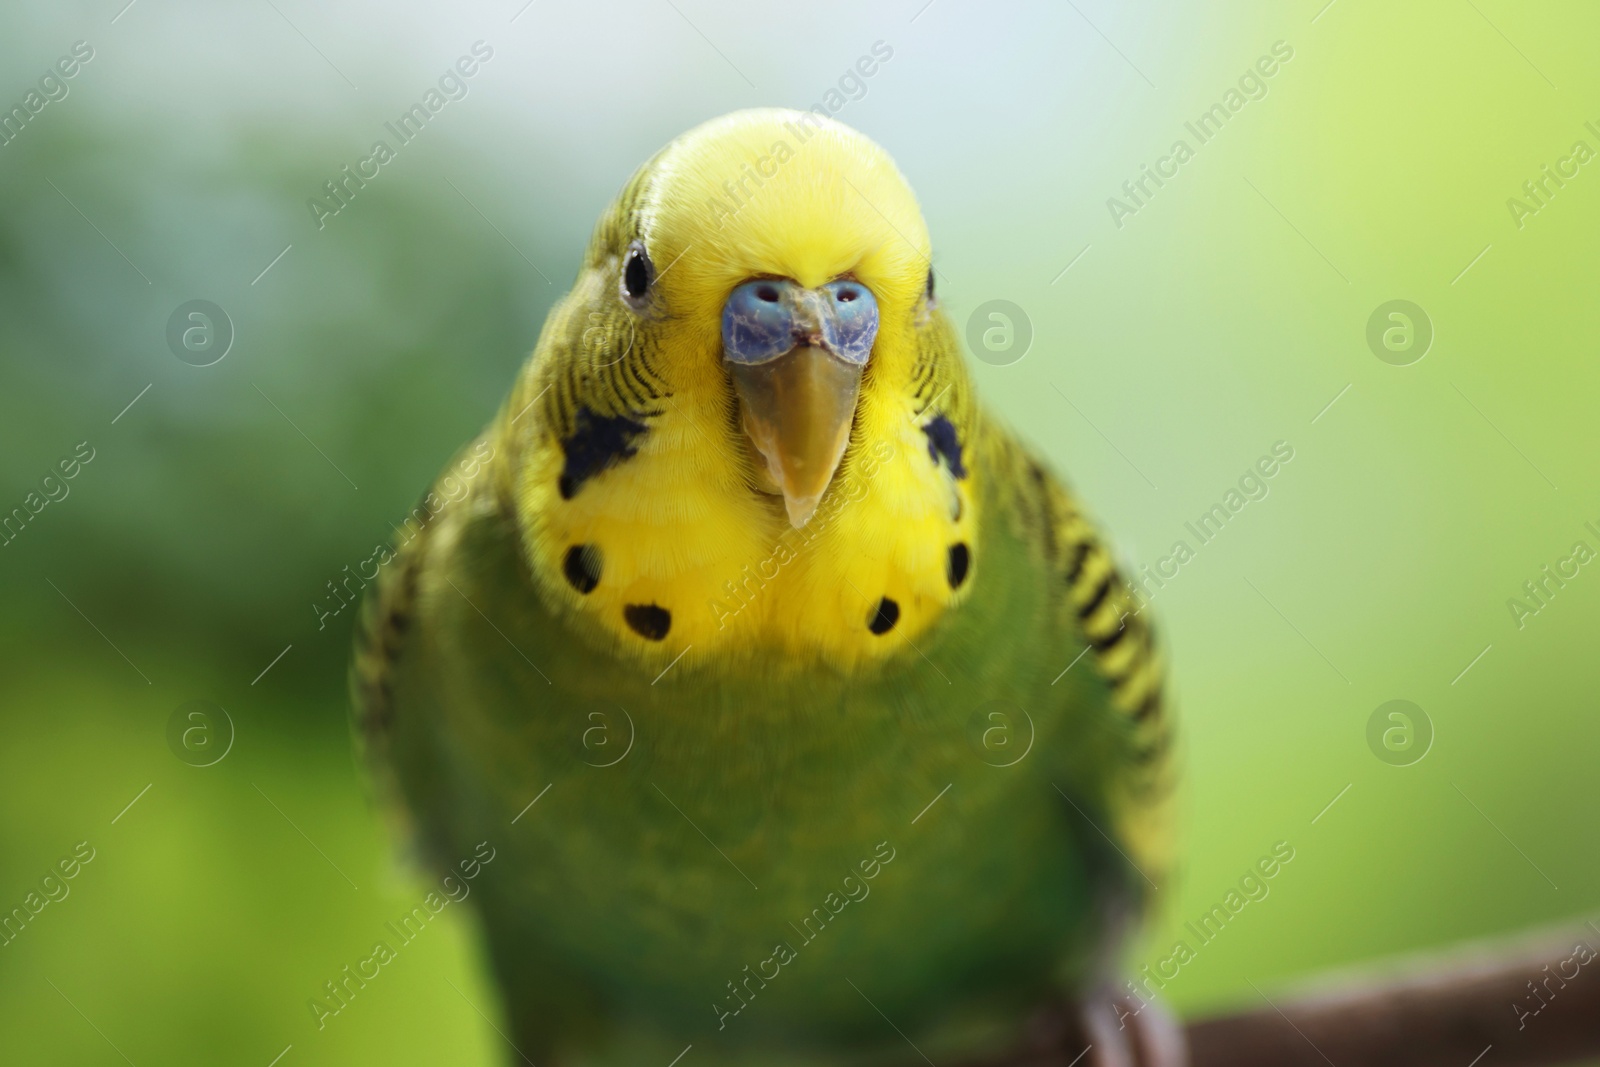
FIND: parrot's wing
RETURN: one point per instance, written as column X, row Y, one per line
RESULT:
column 398, row 695
column 450, row 567
column 384, row 634
column 1120, row 773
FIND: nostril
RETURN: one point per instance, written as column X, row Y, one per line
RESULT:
column 767, row 293
column 847, row 295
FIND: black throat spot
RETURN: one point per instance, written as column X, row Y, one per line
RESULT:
column 944, row 441
column 597, row 442
column 649, row 621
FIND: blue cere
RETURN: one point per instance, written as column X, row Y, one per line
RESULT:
column 767, row 317
column 854, row 325
column 758, row 321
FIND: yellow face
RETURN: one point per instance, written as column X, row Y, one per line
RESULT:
column 778, row 493
column 780, row 194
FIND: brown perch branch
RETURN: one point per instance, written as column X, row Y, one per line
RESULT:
column 1466, row 1008
column 1534, row 1002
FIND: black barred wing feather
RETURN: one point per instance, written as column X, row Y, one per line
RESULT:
column 1104, row 626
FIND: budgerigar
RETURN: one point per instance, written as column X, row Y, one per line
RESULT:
column 805, row 712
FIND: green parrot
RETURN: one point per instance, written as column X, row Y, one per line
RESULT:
column 805, row 714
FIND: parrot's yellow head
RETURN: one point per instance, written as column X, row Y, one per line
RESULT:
column 753, row 421
column 789, row 254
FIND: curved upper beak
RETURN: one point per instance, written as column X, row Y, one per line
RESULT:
column 797, row 410
column 796, row 357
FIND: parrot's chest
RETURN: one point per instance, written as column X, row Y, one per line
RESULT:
column 732, row 863
column 726, row 846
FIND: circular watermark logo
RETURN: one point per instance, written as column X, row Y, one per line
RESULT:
column 607, row 736
column 1399, row 333
column 1399, row 733
column 607, row 339
column 1002, row 732
column 199, row 333
column 200, row 732
column 999, row 332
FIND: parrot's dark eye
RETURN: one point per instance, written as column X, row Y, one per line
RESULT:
column 930, row 285
column 637, row 273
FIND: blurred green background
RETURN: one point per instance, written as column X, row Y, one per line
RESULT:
column 1223, row 316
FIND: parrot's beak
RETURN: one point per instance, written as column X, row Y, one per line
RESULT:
column 796, row 356
column 797, row 411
